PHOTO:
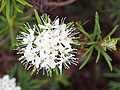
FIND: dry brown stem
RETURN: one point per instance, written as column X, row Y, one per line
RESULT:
column 59, row 4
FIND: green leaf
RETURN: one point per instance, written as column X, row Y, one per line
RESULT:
column 23, row 29
column 23, row 2
column 90, row 43
column 115, row 74
column 87, row 59
column 98, row 54
column 78, row 42
column 112, row 75
column 98, row 57
column 46, row 18
column 81, row 43
column 22, row 78
column 12, row 71
column 37, row 83
column 107, row 58
column 8, row 10
column 114, row 85
column 106, row 55
column 3, row 35
column 70, row 24
column 95, row 34
column 111, row 33
column 50, row 73
column 87, row 51
column 34, row 69
column 83, row 31
column 57, row 71
column 97, row 28
column 2, row 5
column 23, row 18
column 16, row 6
column 116, row 39
column 2, row 31
column 37, row 17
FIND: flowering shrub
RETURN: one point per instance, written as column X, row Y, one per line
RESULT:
column 47, row 46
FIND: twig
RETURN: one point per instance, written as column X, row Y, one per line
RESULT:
column 59, row 4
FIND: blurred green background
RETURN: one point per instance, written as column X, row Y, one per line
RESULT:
column 15, row 13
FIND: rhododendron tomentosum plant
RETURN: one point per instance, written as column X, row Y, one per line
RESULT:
column 47, row 45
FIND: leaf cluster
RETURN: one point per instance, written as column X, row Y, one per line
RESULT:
column 94, row 43
column 5, row 4
column 58, row 80
column 12, row 17
column 114, row 10
column 24, row 78
column 114, row 84
column 26, row 82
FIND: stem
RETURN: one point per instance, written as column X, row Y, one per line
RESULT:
column 11, row 33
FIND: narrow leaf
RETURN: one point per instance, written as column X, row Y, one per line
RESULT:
column 111, row 33
column 12, row 71
column 86, row 60
column 57, row 71
column 2, row 5
column 70, row 24
column 16, row 6
column 37, row 17
column 107, row 58
column 78, row 42
column 106, row 55
column 46, row 18
column 23, row 29
column 83, row 31
column 97, row 28
column 98, row 57
column 23, row 2
column 87, row 51
column 34, row 69
column 8, row 10
column 2, row 36
column 98, row 53
column 109, row 64
column 112, row 75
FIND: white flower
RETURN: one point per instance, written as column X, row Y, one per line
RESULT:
column 47, row 46
column 8, row 84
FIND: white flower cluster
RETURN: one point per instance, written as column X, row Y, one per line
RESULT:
column 109, row 44
column 47, row 46
column 8, row 84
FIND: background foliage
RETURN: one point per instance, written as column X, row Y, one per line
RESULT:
column 15, row 13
